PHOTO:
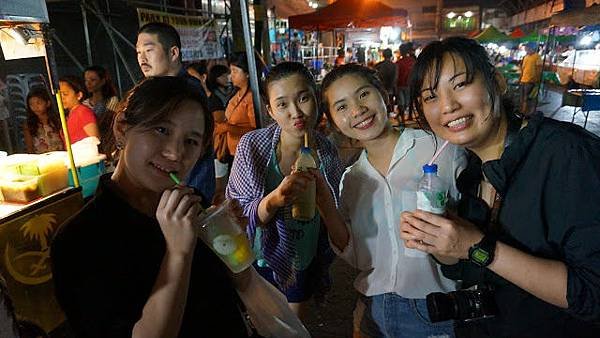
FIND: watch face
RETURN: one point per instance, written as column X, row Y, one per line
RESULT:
column 480, row 256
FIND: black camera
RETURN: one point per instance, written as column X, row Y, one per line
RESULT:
column 465, row 305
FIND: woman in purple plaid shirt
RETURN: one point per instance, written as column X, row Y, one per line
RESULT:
column 293, row 255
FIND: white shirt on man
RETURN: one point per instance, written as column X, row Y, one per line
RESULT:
column 371, row 205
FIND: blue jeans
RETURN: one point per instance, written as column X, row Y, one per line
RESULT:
column 392, row 316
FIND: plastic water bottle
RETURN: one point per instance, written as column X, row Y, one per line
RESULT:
column 432, row 191
column 304, row 208
column 432, row 196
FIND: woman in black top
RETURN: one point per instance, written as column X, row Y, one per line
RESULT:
column 128, row 264
column 219, row 84
column 529, row 218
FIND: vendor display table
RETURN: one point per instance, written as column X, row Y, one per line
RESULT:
column 26, row 232
column 590, row 101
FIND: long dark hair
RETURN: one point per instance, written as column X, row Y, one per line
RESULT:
column 286, row 69
column 429, row 65
column 76, row 83
column 370, row 75
column 32, row 120
column 108, row 89
column 213, row 74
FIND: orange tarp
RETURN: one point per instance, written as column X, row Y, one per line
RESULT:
column 350, row 13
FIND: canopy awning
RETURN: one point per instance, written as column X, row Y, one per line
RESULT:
column 491, row 34
column 517, row 33
column 350, row 13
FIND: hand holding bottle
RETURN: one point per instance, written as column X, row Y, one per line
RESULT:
column 290, row 188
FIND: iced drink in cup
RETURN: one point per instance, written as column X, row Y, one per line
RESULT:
column 221, row 231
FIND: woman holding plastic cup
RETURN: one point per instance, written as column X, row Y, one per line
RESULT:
column 393, row 281
column 528, row 221
column 129, row 264
column 293, row 255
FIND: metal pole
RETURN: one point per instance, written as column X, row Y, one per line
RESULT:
column 68, row 52
column 50, row 61
column 115, row 60
column 115, row 45
column 251, row 63
column 86, row 34
column 113, row 29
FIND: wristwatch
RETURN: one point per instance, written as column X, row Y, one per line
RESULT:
column 482, row 253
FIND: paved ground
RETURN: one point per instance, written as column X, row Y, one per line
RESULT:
column 550, row 106
column 334, row 318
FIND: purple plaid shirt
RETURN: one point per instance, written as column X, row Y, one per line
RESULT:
column 247, row 185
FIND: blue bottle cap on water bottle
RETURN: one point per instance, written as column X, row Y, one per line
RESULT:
column 430, row 168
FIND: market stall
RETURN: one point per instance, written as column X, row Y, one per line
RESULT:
column 351, row 21
column 35, row 196
column 583, row 65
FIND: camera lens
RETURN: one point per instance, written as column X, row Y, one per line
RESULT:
column 461, row 305
column 441, row 306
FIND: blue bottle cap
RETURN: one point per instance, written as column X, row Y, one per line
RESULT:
column 305, row 150
column 430, row 169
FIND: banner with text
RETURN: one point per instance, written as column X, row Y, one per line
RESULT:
column 199, row 37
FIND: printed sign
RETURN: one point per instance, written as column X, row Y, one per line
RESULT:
column 199, row 37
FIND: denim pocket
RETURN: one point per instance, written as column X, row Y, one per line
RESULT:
column 443, row 329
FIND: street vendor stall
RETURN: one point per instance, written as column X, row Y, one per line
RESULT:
column 583, row 65
column 35, row 197
column 347, row 17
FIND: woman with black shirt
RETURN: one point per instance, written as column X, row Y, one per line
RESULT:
column 528, row 223
column 219, row 85
column 128, row 264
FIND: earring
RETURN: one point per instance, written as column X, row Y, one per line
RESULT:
column 120, row 146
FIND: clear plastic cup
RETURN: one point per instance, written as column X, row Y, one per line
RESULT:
column 221, row 231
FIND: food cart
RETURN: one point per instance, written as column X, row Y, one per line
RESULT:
column 35, row 198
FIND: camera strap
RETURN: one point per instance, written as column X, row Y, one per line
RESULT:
column 514, row 125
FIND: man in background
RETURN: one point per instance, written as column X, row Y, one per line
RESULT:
column 388, row 73
column 158, row 50
column 531, row 72
column 405, row 65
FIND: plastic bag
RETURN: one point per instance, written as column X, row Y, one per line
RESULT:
column 269, row 311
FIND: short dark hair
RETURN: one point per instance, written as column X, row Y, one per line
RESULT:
column 167, row 35
column 370, row 75
column 200, row 67
column 108, row 89
column 405, row 49
column 387, row 53
column 153, row 99
column 213, row 74
column 429, row 64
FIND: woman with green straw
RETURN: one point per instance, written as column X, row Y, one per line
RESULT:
column 128, row 264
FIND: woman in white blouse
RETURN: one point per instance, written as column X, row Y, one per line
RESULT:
column 393, row 282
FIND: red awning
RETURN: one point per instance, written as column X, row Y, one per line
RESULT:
column 350, row 13
column 517, row 33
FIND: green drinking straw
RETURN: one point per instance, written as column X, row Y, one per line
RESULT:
column 174, row 178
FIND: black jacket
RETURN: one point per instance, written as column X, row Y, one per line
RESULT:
column 549, row 181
